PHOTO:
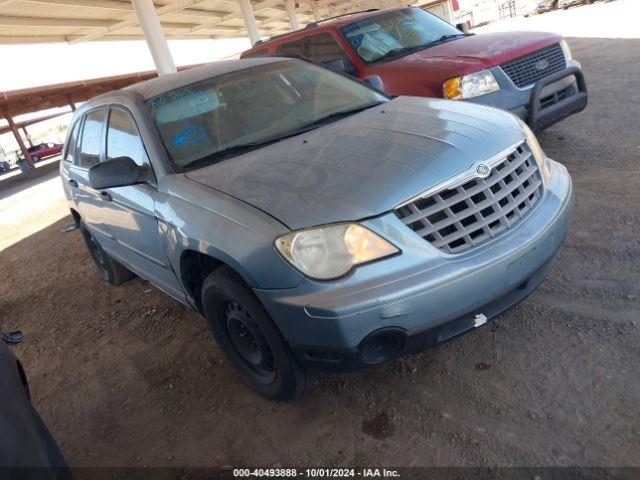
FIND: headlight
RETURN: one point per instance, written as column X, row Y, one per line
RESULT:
column 332, row 251
column 541, row 158
column 469, row 86
column 566, row 50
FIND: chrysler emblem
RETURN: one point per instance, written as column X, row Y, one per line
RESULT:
column 542, row 64
column 483, row 170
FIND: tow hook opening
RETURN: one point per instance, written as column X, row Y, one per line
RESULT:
column 382, row 345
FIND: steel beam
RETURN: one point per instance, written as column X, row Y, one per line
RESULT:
column 249, row 21
column 291, row 13
column 154, row 36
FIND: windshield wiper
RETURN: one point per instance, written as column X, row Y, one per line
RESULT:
column 332, row 118
column 397, row 52
column 247, row 147
column 445, row 38
column 224, row 153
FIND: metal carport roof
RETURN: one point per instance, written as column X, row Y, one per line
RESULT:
column 42, row 21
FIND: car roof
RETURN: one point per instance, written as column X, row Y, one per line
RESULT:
column 164, row 83
column 339, row 21
column 343, row 20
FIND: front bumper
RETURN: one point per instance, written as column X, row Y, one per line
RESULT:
column 375, row 348
column 545, row 103
column 424, row 296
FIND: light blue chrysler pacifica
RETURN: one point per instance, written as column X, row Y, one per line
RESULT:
column 317, row 224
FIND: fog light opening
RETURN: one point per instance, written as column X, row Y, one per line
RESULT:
column 381, row 346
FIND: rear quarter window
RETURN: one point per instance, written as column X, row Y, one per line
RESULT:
column 323, row 48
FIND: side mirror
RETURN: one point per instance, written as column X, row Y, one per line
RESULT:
column 116, row 172
column 375, row 81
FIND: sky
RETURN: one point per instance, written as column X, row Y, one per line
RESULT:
column 45, row 64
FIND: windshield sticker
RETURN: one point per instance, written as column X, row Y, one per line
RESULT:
column 184, row 104
column 189, row 135
column 170, row 97
column 356, row 25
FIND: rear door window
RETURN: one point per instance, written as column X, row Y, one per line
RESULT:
column 295, row 48
column 92, row 138
column 123, row 138
column 323, row 48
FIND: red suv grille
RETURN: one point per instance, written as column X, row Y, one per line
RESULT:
column 530, row 68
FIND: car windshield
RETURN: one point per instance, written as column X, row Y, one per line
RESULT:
column 230, row 114
column 395, row 33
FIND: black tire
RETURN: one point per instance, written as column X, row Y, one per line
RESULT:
column 111, row 270
column 35, row 158
column 249, row 339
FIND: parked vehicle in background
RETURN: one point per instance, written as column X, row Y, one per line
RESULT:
column 44, row 150
column 27, row 449
column 4, row 165
column 355, row 229
column 565, row 4
column 546, row 6
column 407, row 51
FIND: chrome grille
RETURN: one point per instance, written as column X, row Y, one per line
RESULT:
column 526, row 70
column 466, row 215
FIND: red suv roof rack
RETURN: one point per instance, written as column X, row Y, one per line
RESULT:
column 315, row 24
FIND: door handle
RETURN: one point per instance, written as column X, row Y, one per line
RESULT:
column 73, row 183
column 106, row 196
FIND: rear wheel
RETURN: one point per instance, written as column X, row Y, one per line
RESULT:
column 35, row 158
column 112, row 271
column 249, row 338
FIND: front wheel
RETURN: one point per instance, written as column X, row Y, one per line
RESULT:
column 249, row 338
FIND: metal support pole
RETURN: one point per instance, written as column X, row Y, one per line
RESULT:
column 316, row 10
column 291, row 12
column 26, row 135
column 71, row 103
column 249, row 21
column 16, row 133
column 153, row 34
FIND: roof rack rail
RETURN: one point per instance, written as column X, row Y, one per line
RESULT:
column 309, row 25
column 315, row 24
column 260, row 42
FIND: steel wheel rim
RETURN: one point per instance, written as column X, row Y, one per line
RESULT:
column 249, row 343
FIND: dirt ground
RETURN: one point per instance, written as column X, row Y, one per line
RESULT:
column 127, row 376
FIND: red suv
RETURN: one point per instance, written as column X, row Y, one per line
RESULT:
column 407, row 51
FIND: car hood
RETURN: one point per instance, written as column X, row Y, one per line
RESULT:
column 476, row 52
column 365, row 164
